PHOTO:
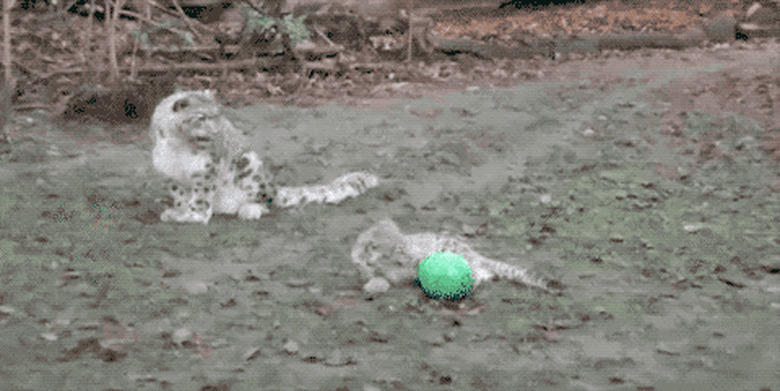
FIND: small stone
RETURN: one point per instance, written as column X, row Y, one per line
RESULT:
column 336, row 359
column 693, row 228
column 298, row 282
column 195, row 287
column 291, row 347
column 8, row 310
column 376, row 285
column 181, row 335
column 49, row 336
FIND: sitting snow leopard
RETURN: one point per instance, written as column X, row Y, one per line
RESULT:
column 387, row 257
column 204, row 155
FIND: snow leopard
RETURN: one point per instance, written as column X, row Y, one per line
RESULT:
column 382, row 252
column 211, row 171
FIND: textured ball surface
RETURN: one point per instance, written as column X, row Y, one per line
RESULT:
column 445, row 276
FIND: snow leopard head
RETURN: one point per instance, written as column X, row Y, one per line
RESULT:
column 189, row 115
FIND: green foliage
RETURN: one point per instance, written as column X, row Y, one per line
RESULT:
column 295, row 28
column 255, row 21
column 292, row 26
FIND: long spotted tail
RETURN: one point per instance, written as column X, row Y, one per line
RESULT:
column 485, row 269
column 346, row 186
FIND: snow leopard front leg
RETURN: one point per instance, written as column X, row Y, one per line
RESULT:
column 246, row 188
column 192, row 203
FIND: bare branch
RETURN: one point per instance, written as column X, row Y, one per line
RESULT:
column 187, row 20
column 250, row 63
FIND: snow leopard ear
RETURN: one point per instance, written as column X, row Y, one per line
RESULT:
column 388, row 223
column 180, row 104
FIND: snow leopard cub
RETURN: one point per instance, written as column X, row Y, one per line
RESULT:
column 382, row 252
column 204, row 156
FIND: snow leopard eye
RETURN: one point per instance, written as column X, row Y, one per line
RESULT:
column 180, row 104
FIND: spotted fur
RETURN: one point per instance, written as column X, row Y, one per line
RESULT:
column 382, row 251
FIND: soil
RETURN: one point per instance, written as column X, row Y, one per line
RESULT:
column 645, row 183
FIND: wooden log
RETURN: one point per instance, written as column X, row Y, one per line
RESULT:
column 250, row 63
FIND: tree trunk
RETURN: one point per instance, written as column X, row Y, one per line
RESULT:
column 7, row 59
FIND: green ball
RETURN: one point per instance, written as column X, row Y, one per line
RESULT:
column 445, row 276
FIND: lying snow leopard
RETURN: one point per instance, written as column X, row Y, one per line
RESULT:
column 204, row 155
column 387, row 257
